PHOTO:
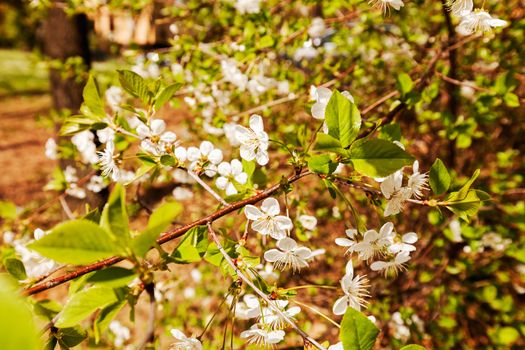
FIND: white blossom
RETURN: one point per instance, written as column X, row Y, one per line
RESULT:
column 460, row 7
column 83, row 141
column 96, row 184
column 122, row 333
column 184, row 343
column 274, row 319
column 478, row 20
column 267, row 220
column 417, row 182
column 51, row 149
column 385, row 5
column 114, row 97
column 393, row 190
column 374, row 242
column 182, row 194
column 107, row 162
column 317, row 28
column 233, row 75
column 229, row 173
column 349, row 240
column 248, row 308
column 253, row 140
column 354, row 289
column 338, row 346
column 261, row 337
column 309, row 222
column 105, row 135
column 394, row 266
column 248, row 6
column 406, row 244
column 34, row 264
column 204, row 159
column 289, row 255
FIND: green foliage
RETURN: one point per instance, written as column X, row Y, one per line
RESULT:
column 112, row 277
column 357, row 331
column 343, row 119
column 412, row 347
column 76, row 242
column 165, row 95
column 321, row 164
column 378, row 158
column 17, row 328
column 93, row 105
column 7, row 210
column 16, row 268
column 135, row 85
column 439, row 177
column 114, row 216
column 192, row 247
column 83, row 304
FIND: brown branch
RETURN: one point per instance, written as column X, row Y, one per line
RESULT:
column 165, row 237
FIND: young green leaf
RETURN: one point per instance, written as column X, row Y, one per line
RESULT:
column 104, row 318
column 165, row 95
column 16, row 268
column 321, row 164
column 192, row 247
column 83, row 304
column 93, row 104
column 135, row 85
column 404, row 84
column 439, row 177
column 465, row 207
column 76, row 242
column 378, row 158
column 114, row 216
column 325, row 142
column 357, row 331
column 113, row 277
column 412, row 347
column 464, row 190
column 342, row 118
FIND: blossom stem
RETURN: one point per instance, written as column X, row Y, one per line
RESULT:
column 207, row 188
column 314, row 310
column 125, row 132
column 260, row 292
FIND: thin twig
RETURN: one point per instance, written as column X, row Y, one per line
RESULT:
column 150, row 334
column 260, row 292
column 207, row 188
column 66, row 208
column 165, row 237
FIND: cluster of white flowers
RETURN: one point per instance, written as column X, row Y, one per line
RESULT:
column 473, row 20
column 147, row 66
column 385, row 5
column 248, row 6
column 70, row 175
column 270, row 326
column 397, row 194
column 121, row 332
column 84, row 142
column 34, row 264
column 184, row 343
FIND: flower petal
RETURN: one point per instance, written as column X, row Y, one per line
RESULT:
column 252, row 212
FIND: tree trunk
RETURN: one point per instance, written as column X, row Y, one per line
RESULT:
column 64, row 37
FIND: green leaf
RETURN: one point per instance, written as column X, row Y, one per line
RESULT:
column 83, row 304
column 70, row 337
column 464, row 190
column 163, row 216
column 192, row 247
column 159, row 221
column 378, row 158
column 104, row 318
column 390, row 132
column 76, row 242
column 404, row 84
column 357, row 331
column 92, row 100
column 505, row 336
column 325, row 142
column 7, row 210
column 439, row 177
column 168, row 160
column 114, row 217
column 17, row 328
column 321, row 164
column 466, row 207
column 113, row 277
column 16, row 268
column 412, row 347
column 511, row 100
column 342, row 118
column 135, row 85
column 165, row 95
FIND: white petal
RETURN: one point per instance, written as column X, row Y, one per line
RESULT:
column 386, row 229
column 168, row 137
column 193, row 154
column 256, row 123
column 262, row 157
column 378, row 265
column 273, row 255
column 236, row 167
column 318, row 110
column 270, row 206
column 215, row 156
column 158, row 126
column 349, row 268
column 247, row 153
column 344, row 242
column 286, row 244
column 243, row 134
column 323, row 94
column 303, row 252
column 410, row 237
column 283, row 222
column 224, row 169
column 252, row 213
column 231, row 190
column 181, row 153
column 221, row 182
column 351, row 233
column 177, row 334
column 241, row 178
column 340, row 306
column 206, row 147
